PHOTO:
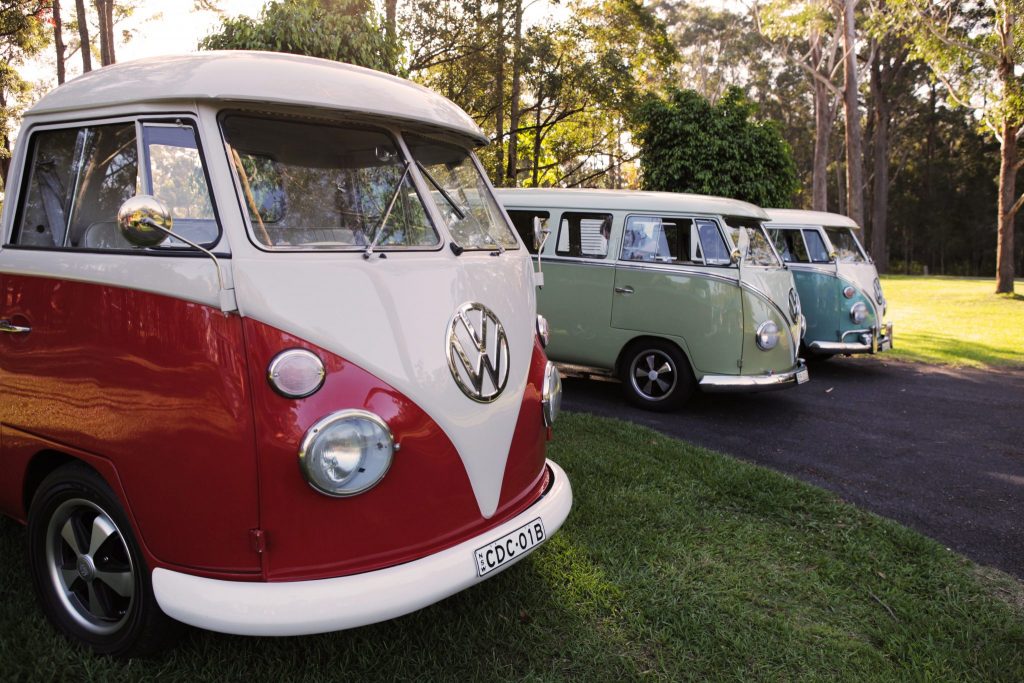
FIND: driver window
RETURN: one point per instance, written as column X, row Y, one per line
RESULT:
column 78, row 179
column 177, row 178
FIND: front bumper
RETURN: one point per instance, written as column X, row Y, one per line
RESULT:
column 720, row 384
column 302, row 607
column 866, row 341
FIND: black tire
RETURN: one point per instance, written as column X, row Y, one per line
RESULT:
column 656, row 375
column 89, row 575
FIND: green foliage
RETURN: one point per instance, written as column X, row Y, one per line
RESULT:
column 349, row 31
column 688, row 144
column 22, row 35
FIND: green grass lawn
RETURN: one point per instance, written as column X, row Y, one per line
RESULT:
column 956, row 321
column 676, row 563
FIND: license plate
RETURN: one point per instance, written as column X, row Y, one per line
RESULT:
column 802, row 375
column 510, row 546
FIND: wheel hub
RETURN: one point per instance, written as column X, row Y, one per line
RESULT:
column 86, row 569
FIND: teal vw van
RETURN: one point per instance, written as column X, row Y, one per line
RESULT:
column 669, row 292
column 836, row 280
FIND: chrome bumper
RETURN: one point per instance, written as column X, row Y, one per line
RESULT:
column 868, row 341
column 720, row 384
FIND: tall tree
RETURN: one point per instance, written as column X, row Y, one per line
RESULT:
column 809, row 35
column 688, row 144
column 105, row 14
column 22, row 35
column 515, row 112
column 349, row 31
column 83, row 35
column 58, row 41
column 851, row 110
column 975, row 47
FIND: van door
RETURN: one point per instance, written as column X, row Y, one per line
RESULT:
column 674, row 279
column 128, row 356
column 576, row 298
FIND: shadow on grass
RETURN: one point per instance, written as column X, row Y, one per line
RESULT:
column 934, row 347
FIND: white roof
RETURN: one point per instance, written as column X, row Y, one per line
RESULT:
column 258, row 77
column 800, row 217
column 628, row 200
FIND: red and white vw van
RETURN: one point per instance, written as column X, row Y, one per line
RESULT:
column 270, row 361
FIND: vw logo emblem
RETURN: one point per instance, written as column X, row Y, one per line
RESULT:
column 478, row 352
column 794, row 305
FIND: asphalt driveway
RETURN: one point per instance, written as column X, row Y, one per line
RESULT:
column 940, row 450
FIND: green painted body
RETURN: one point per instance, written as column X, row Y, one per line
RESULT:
column 827, row 310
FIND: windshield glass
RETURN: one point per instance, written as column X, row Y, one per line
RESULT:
column 759, row 248
column 320, row 186
column 847, row 248
column 473, row 217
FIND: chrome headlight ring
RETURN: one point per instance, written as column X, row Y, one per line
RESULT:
column 859, row 313
column 346, row 453
column 767, row 335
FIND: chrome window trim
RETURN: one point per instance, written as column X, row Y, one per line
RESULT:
column 393, row 132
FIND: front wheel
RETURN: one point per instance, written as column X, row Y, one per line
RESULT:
column 656, row 376
column 89, row 574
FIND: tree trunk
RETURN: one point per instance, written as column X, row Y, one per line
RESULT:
column 536, row 143
column 58, row 41
column 83, row 35
column 512, row 172
column 1007, row 211
column 499, row 90
column 1007, row 168
column 880, row 193
column 390, row 20
column 822, row 132
column 854, row 139
column 105, row 12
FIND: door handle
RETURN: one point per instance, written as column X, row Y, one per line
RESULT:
column 624, row 290
column 7, row 326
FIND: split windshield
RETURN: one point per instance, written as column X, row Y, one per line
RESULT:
column 759, row 251
column 846, row 246
column 310, row 185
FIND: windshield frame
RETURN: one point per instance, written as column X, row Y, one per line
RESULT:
column 779, row 263
column 393, row 130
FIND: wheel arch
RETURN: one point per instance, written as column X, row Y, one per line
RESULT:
column 640, row 338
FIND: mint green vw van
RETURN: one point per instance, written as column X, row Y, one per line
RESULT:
column 669, row 292
column 836, row 279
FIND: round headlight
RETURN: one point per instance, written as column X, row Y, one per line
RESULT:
column 346, row 453
column 858, row 313
column 767, row 335
column 543, row 331
column 849, row 291
column 551, row 396
column 296, row 373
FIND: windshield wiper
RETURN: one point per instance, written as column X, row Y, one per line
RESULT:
column 460, row 211
column 379, row 230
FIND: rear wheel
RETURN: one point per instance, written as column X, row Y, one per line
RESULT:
column 89, row 574
column 656, row 375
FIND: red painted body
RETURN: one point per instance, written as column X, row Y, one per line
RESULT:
column 425, row 502
column 169, row 401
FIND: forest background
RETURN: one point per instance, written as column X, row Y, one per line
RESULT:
column 903, row 114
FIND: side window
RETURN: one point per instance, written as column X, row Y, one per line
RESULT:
column 713, row 244
column 790, row 245
column 523, row 222
column 816, row 247
column 683, row 241
column 78, row 179
column 584, row 235
column 177, row 178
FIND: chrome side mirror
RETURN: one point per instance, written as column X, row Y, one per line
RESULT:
column 144, row 221
column 735, row 256
column 833, row 256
